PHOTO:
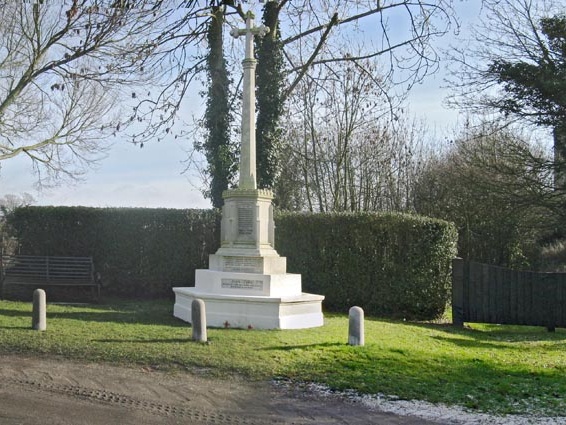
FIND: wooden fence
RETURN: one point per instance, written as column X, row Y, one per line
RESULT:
column 489, row 294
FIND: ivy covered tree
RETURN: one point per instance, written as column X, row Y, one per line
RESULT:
column 315, row 34
column 270, row 81
column 219, row 149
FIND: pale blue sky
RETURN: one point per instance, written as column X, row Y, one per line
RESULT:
column 152, row 176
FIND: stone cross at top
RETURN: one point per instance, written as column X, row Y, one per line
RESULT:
column 248, row 149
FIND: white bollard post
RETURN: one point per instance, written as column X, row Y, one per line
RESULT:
column 39, row 313
column 356, row 326
column 198, row 320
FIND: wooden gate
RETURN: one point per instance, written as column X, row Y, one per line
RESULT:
column 489, row 294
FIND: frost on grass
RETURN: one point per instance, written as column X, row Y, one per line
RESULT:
column 419, row 409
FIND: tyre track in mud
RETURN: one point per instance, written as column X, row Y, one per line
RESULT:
column 58, row 391
column 156, row 408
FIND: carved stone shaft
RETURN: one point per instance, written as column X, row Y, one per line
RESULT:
column 248, row 149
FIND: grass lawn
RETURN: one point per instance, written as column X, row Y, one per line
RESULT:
column 497, row 369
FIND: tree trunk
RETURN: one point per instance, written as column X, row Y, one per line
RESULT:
column 269, row 80
column 559, row 157
column 218, row 148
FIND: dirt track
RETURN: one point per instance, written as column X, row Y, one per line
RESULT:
column 55, row 391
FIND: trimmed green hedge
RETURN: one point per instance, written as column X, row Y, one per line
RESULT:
column 139, row 252
column 391, row 265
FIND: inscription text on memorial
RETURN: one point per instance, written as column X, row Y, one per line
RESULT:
column 242, row 264
column 245, row 219
column 242, row 284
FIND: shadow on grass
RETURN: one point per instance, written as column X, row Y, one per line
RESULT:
column 14, row 313
column 474, row 343
column 304, row 346
column 125, row 313
column 146, row 341
column 500, row 343
column 17, row 327
column 495, row 334
column 527, row 331
column 118, row 317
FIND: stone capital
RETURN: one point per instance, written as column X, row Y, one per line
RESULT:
column 248, row 193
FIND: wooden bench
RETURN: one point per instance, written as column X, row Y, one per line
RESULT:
column 40, row 272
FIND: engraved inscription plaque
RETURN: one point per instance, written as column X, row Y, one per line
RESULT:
column 242, row 284
column 245, row 219
column 242, row 264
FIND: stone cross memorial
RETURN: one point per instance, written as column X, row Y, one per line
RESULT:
column 247, row 284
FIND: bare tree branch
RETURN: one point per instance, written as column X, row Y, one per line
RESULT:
column 303, row 70
column 63, row 68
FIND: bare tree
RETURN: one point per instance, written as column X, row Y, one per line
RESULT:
column 63, row 69
column 323, row 33
column 8, row 203
column 351, row 155
column 492, row 184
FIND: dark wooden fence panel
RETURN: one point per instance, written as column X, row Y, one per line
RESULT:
column 489, row 294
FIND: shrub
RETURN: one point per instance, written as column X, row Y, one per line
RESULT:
column 138, row 252
column 391, row 265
